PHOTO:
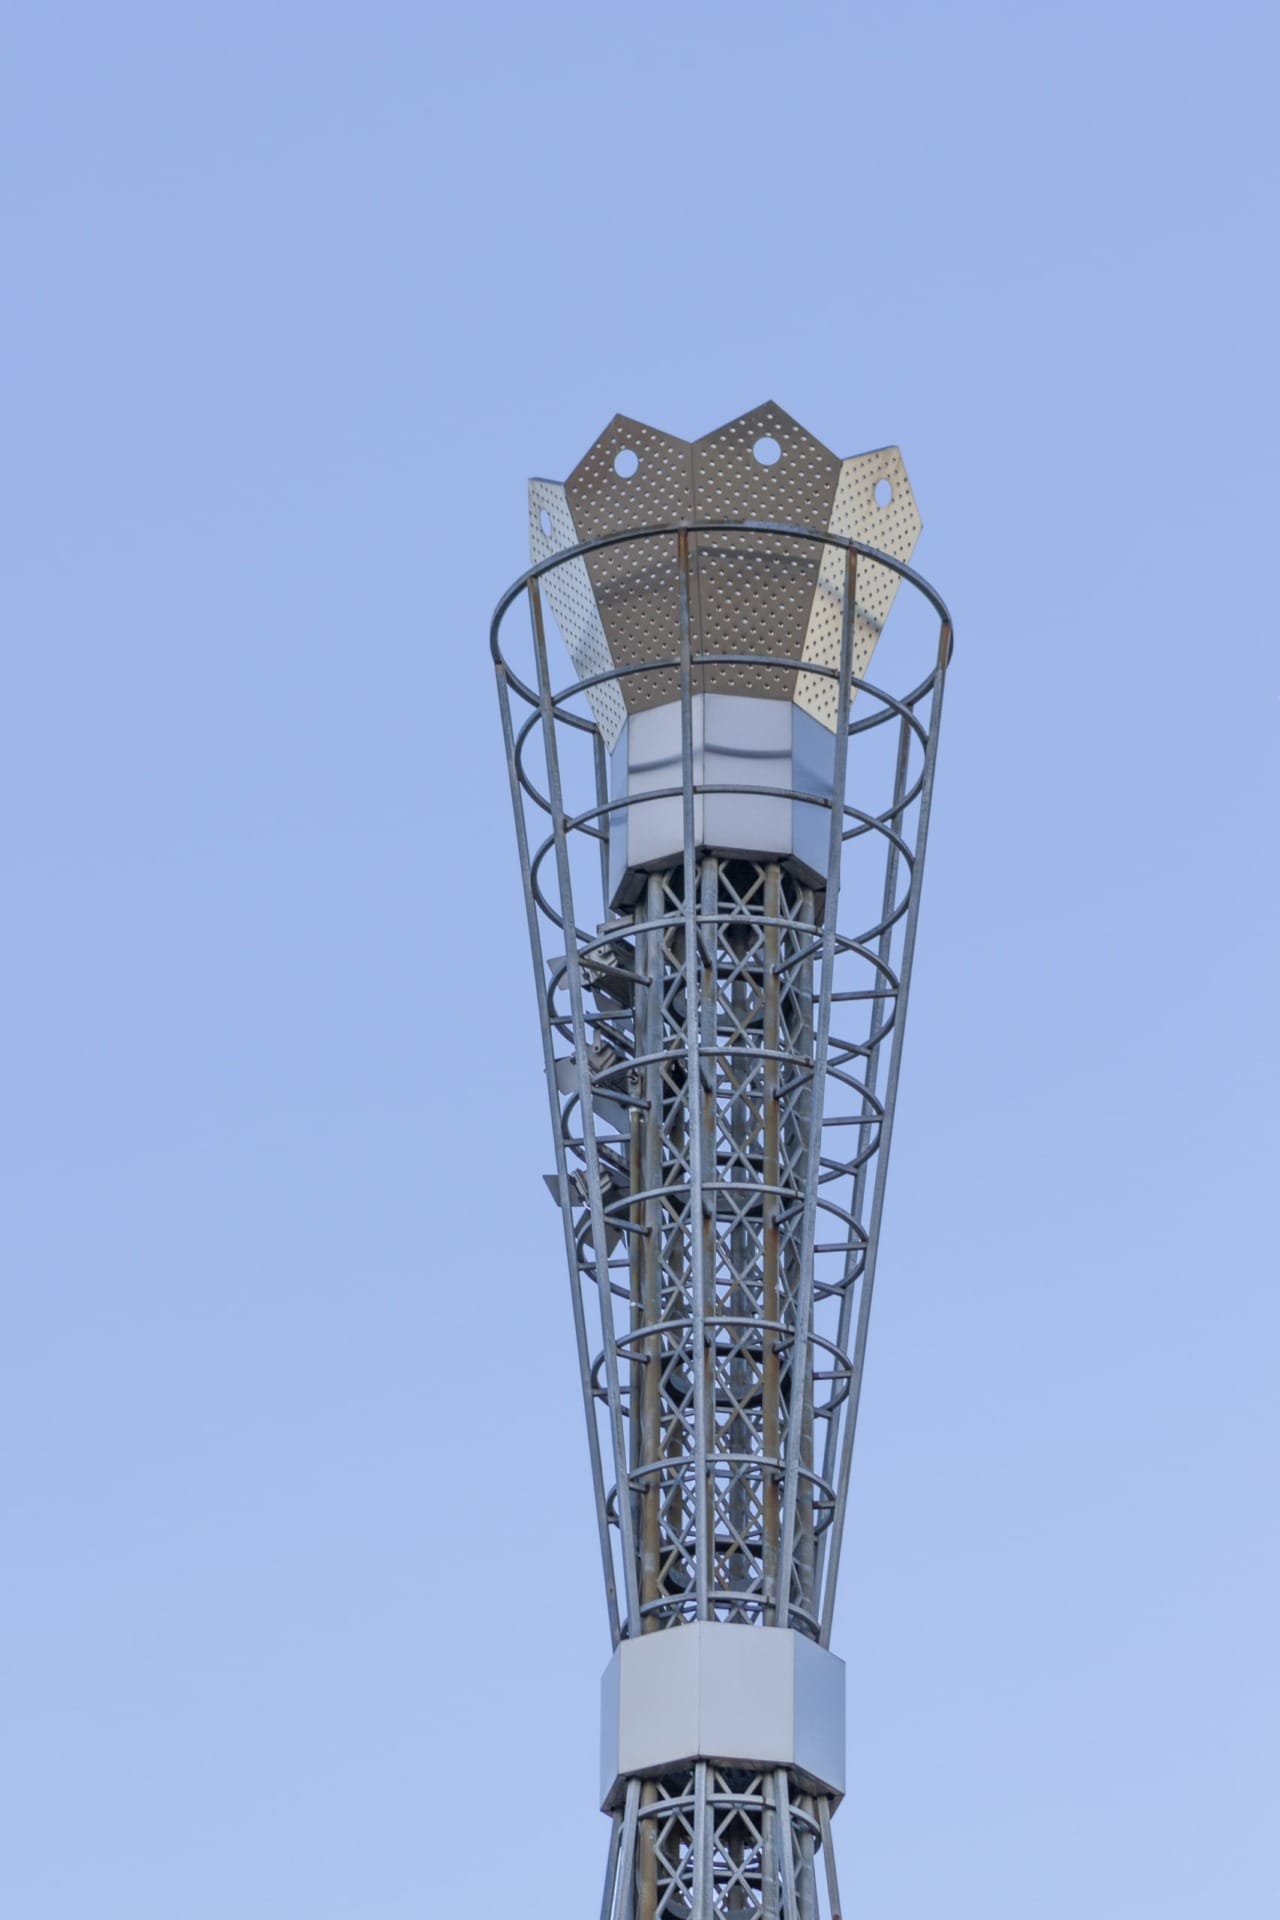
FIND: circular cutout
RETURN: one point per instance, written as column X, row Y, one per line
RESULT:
column 626, row 463
column 544, row 521
column 884, row 493
column 767, row 451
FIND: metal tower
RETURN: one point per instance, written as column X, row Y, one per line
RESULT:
column 721, row 822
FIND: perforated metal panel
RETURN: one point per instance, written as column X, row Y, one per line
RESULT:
column 568, row 592
column 637, row 588
column 894, row 527
column 753, row 593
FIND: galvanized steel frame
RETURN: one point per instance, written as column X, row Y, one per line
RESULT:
column 675, row 1014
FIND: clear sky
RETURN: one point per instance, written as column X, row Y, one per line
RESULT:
column 300, row 1610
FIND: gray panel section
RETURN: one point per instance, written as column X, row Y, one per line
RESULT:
column 746, row 742
column 655, row 827
column 737, row 1695
column 813, row 752
column 610, row 1685
column 820, row 1712
column 737, row 740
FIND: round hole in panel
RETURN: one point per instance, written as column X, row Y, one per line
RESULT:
column 544, row 521
column 767, row 451
column 626, row 462
column 884, row 493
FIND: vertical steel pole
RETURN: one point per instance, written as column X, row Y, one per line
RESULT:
column 829, row 1857
column 694, row 1100
column 703, row 1827
column 880, row 1018
column 599, row 1238
column 627, row 1856
column 802, row 1361
column 562, row 1169
column 791, row 1901
column 609, row 1898
column 886, row 1135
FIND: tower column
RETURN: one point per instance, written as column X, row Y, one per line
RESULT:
column 721, row 820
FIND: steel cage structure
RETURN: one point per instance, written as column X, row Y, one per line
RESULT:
column 722, row 1053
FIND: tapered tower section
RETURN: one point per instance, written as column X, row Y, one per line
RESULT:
column 721, row 806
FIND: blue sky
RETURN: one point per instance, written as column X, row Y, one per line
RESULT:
column 301, row 1607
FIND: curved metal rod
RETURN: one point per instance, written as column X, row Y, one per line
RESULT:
column 891, row 704
column 871, row 823
column 821, row 536
column 902, row 704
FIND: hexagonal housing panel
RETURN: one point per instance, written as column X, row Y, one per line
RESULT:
column 759, row 1697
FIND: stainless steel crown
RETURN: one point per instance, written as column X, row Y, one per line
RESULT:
column 618, row 608
column 763, row 608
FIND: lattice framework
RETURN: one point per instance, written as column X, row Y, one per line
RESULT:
column 723, row 1061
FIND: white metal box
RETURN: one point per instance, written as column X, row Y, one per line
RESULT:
column 743, row 1696
column 770, row 745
